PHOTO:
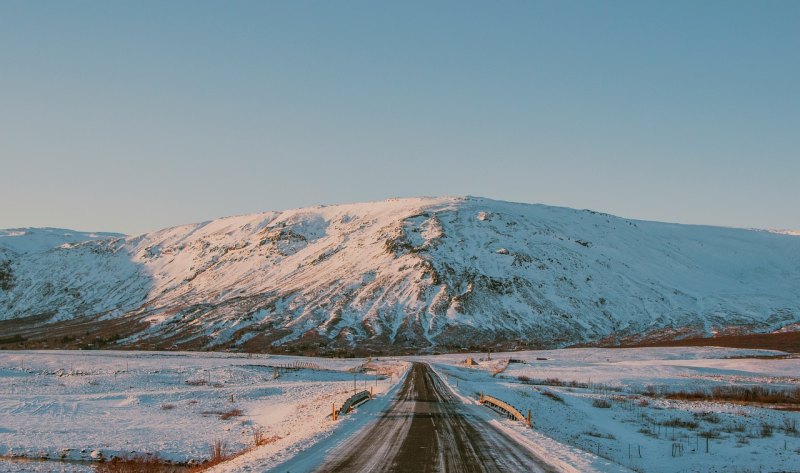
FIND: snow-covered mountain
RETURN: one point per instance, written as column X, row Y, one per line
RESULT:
column 786, row 232
column 402, row 274
column 32, row 240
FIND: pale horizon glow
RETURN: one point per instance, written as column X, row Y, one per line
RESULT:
column 131, row 117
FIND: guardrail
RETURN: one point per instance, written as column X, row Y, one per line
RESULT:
column 353, row 401
column 507, row 408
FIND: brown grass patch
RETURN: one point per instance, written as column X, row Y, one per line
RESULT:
column 552, row 382
column 260, row 438
column 552, row 395
column 707, row 416
column 231, row 413
column 783, row 341
column 678, row 422
column 743, row 394
column 218, row 452
column 601, row 403
column 138, row 463
column 224, row 415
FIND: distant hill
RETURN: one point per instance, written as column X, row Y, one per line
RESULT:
column 401, row 275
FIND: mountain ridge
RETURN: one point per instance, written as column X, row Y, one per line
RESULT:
column 405, row 274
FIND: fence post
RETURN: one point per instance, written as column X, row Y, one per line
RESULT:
column 333, row 411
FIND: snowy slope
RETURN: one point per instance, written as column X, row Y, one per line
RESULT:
column 786, row 232
column 449, row 271
column 33, row 240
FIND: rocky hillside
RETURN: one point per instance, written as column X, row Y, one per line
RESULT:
column 399, row 275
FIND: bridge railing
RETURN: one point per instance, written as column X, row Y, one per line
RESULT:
column 351, row 402
column 505, row 407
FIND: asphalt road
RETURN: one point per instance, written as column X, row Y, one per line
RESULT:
column 427, row 430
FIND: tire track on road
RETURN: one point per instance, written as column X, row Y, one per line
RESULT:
column 426, row 430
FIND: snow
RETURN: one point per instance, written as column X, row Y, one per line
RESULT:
column 306, row 456
column 598, row 439
column 786, row 232
column 83, row 406
column 79, row 405
column 35, row 240
column 444, row 271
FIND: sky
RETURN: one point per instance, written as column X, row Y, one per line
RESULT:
column 134, row 116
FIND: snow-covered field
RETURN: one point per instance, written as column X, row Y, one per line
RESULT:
column 640, row 429
column 79, row 405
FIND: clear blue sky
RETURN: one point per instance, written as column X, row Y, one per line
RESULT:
column 134, row 116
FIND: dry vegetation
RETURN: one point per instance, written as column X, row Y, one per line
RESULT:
column 552, row 382
column 783, row 341
column 218, row 452
column 144, row 463
column 707, row 416
column 231, row 413
column 196, row 382
column 260, row 438
column 552, row 395
column 601, row 403
column 225, row 415
column 139, row 463
column 743, row 394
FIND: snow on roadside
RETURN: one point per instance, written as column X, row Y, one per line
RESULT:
column 316, row 435
column 642, row 433
column 80, row 405
column 87, row 405
column 564, row 458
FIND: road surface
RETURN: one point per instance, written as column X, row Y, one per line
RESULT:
column 427, row 430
